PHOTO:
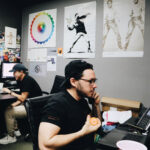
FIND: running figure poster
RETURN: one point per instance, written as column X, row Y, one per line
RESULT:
column 79, row 30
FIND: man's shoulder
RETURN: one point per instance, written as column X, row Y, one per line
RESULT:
column 59, row 97
column 57, row 100
column 27, row 77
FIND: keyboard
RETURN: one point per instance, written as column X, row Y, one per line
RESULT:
column 133, row 137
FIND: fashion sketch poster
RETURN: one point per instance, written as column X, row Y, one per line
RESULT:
column 123, row 28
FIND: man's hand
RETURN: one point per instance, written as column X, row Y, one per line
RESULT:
column 16, row 103
column 95, row 106
column 6, row 90
column 96, row 98
column 88, row 128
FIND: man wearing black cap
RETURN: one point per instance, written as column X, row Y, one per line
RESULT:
column 28, row 88
column 65, row 123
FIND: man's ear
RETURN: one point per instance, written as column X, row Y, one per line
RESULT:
column 73, row 82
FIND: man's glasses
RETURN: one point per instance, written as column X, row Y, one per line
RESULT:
column 92, row 81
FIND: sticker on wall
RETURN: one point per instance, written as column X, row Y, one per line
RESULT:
column 42, row 29
column 38, row 69
column 60, row 51
column 79, row 30
column 10, row 37
column 123, row 28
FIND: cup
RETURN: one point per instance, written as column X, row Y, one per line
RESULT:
column 130, row 145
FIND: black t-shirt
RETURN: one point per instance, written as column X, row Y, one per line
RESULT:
column 70, row 115
column 28, row 84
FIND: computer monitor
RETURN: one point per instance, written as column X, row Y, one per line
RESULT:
column 6, row 67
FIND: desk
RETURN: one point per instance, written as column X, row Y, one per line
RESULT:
column 108, row 142
column 5, row 101
column 7, row 97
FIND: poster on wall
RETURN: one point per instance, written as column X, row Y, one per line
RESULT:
column 11, row 55
column 37, row 69
column 42, row 29
column 38, row 55
column 51, row 63
column 123, row 28
column 2, row 38
column 1, row 55
column 79, row 30
column 10, row 37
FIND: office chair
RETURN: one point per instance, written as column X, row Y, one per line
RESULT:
column 34, row 107
column 57, row 84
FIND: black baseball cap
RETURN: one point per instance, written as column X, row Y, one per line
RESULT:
column 75, row 69
column 18, row 67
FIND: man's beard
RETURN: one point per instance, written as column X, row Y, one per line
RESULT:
column 18, row 78
column 81, row 94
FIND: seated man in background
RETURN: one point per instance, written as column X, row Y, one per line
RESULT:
column 28, row 88
column 65, row 120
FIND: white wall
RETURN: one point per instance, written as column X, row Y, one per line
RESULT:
column 127, row 78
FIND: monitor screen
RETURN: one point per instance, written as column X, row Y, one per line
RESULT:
column 6, row 67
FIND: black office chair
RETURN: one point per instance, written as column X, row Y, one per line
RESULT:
column 57, row 84
column 34, row 107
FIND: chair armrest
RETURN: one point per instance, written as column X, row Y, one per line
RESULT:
column 44, row 92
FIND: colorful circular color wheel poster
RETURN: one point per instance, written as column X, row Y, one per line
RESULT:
column 42, row 29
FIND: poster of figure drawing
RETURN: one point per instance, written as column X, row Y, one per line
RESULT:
column 123, row 28
column 79, row 30
column 42, row 29
column 10, row 37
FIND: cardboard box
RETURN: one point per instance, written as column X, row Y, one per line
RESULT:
column 121, row 105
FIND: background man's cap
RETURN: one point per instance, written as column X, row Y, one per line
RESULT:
column 18, row 67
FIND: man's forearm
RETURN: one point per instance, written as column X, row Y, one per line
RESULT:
column 62, row 140
column 17, row 95
column 20, row 97
column 16, row 103
column 98, row 112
